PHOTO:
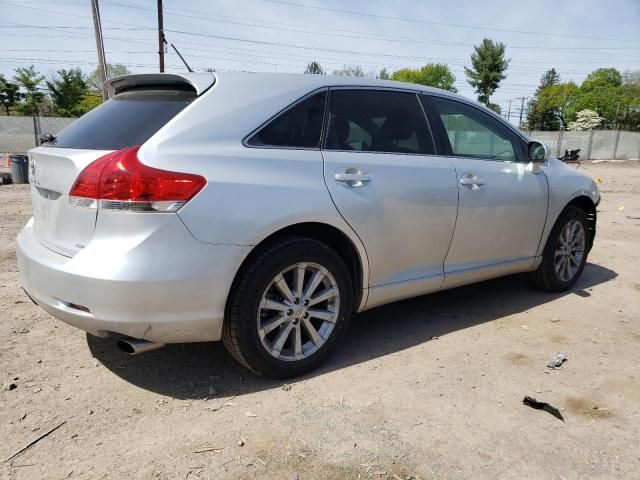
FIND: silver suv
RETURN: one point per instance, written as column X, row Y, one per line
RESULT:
column 266, row 209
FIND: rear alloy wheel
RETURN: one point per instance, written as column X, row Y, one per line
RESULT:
column 565, row 253
column 288, row 308
column 298, row 311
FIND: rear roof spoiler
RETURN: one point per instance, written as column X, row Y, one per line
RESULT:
column 200, row 82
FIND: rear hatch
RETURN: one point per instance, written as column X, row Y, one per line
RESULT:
column 141, row 106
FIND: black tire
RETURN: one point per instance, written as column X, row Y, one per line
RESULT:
column 545, row 277
column 240, row 328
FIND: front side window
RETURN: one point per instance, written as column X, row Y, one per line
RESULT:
column 377, row 121
column 298, row 127
column 473, row 133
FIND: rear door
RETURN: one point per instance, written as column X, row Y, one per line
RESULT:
column 389, row 185
column 503, row 203
column 128, row 119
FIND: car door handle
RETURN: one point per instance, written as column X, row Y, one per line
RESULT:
column 353, row 179
column 472, row 182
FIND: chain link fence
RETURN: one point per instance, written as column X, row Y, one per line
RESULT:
column 19, row 134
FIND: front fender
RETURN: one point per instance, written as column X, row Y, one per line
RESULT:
column 565, row 186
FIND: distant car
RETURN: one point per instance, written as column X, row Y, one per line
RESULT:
column 266, row 209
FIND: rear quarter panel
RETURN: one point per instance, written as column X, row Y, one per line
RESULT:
column 250, row 192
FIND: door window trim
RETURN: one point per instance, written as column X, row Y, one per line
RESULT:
column 325, row 127
column 443, row 137
column 285, row 110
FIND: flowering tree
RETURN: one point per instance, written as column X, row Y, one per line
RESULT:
column 585, row 120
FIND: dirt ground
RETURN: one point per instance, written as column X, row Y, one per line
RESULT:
column 426, row 388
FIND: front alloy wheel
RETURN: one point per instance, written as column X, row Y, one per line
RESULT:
column 570, row 250
column 565, row 253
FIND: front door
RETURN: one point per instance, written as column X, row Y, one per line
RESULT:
column 503, row 203
column 388, row 184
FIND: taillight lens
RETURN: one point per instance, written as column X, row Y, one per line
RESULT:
column 119, row 181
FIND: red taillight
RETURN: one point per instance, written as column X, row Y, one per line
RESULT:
column 120, row 181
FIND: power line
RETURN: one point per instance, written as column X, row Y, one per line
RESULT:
column 444, row 24
column 349, row 33
column 391, row 39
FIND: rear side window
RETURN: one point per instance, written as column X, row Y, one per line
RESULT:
column 377, row 121
column 298, row 127
column 128, row 119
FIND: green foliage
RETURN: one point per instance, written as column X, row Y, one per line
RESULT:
column 614, row 97
column 550, row 77
column 495, row 107
column 113, row 70
column 488, row 65
column 629, row 112
column 435, row 75
column 558, row 102
column 314, row 68
column 67, row 89
column 9, row 94
column 537, row 117
column 384, row 74
column 89, row 102
column 29, row 80
column 602, row 92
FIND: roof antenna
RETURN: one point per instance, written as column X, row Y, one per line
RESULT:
column 183, row 60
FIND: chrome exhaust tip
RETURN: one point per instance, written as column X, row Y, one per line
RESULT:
column 134, row 346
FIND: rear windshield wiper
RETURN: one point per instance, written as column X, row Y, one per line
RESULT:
column 47, row 138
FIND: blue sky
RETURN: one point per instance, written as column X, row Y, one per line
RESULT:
column 574, row 36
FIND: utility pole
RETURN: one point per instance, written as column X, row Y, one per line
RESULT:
column 509, row 112
column 521, row 111
column 160, row 37
column 102, row 64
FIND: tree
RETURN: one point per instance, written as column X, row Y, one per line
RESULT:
column 538, row 118
column 559, row 102
column 67, row 89
column 29, row 80
column 113, row 70
column 435, row 75
column 350, row 71
column 602, row 92
column 585, row 120
column 384, row 74
column 550, row 77
column 89, row 102
column 629, row 113
column 314, row 68
column 9, row 93
column 488, row 65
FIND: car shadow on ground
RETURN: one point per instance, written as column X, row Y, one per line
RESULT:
column 193, row 370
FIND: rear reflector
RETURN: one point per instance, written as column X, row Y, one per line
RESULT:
column 119, row 181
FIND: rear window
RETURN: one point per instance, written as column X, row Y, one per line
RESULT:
column 298, row 127
column 128, row 119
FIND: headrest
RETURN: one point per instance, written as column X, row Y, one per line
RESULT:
column 397, row 126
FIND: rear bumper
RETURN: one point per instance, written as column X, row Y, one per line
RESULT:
column 160, row 285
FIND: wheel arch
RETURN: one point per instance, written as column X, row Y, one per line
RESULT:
column 584, row 203
column 354, row 258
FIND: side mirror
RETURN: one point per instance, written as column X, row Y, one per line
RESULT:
column 538, row 152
